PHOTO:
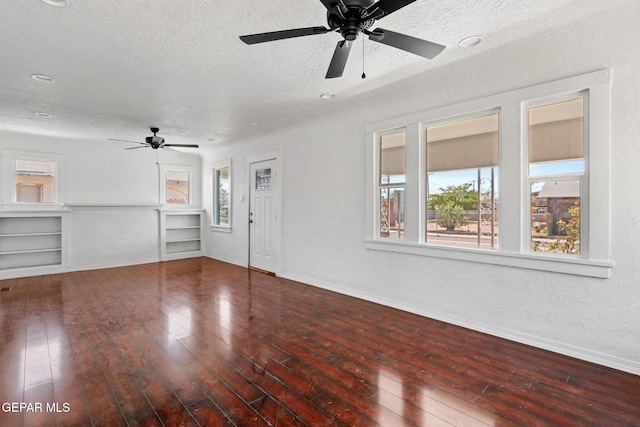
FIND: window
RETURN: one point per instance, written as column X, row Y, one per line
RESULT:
column 222, row 195
column 518, row 179
column 391, row 183
column 35, row 181
column 178, row 186
column 556, row 172
column 462, row 173
column 32, row 179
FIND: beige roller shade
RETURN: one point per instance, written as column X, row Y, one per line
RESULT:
column 556, row 132
column 465, row 144
column 392, row 154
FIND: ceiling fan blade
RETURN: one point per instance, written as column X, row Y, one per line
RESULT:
column 339, row 60
column 181, row 145
column 337, row 6
column 414, row 45
column 330, row 4
column 285, row 34
column 125, row 140
column 387, row 7
column 135, row 148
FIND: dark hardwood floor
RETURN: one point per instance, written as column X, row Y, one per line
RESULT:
column 200, row 342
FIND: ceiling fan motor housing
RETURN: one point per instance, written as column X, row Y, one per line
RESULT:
column 154, row 141
column 351, row 24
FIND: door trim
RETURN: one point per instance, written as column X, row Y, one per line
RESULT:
column 276, row 156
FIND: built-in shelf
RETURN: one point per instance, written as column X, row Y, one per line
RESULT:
column 30, row 251
column 31, row 242
column 181, row 234
column 57, row 233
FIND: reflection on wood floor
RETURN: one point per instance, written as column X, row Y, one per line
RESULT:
column 200, row 342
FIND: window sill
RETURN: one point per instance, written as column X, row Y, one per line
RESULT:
column 33, row 206
column 182, row 210
column 177, row 207
column 112, row 206
column 579, row 267
column 220, row 228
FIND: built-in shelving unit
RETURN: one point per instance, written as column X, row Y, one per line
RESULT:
column 181, row 234
column 32, row 243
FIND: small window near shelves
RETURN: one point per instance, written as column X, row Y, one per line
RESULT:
column 35, row 181
column 391, row 184
column 177, row 187
column 32, row 180
column 222, row 195
column 556, row 174
column 462, row 182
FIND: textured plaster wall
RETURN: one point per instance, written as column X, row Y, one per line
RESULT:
column 324, row 209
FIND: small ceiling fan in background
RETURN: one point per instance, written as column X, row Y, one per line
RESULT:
column 154, row 142
column 350, row 18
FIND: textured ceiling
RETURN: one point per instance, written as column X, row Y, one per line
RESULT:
column 121, row 66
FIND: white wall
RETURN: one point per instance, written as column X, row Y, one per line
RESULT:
column 324, row 207
column 113, row 196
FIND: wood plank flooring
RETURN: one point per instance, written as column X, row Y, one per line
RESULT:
column 200, row 342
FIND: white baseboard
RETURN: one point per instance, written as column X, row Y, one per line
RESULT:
column 240, row 263
column 614, row 362
column 17, row 273
column 116, row 265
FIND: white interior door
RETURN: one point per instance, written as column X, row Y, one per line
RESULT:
column 263, row 215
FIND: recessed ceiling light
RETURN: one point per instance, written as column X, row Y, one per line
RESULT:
column 211, row 139
column 470, row 41
column 328, row 95
column 42, row 114
column 42, row 78
column 57, row 3
column 254, row 123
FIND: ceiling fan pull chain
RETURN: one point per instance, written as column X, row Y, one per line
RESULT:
column 364, row 76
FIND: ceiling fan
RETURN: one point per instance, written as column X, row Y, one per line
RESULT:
column 350, row 18
column 154, row 142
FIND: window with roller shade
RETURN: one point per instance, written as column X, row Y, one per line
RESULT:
column 556, row 175
column 518, row 179
column 462, row 171
column 391, row 184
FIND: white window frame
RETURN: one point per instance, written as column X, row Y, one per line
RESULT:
column 214, row 181
column 191, row 171
column 9, row 158
column 380, row 186
column 514, row 214
column 582, row 178
column 423, row 160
